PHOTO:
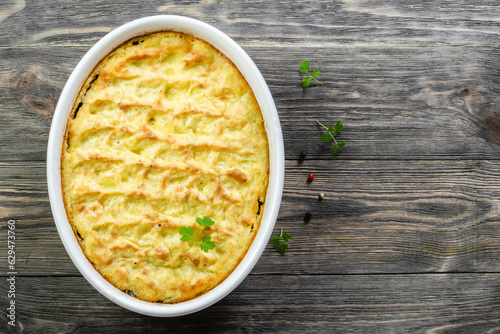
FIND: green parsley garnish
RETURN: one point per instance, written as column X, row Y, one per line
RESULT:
column 329, row 136
column 306, row 81
column 187, row 233
column 207, row 244
column 280, row 242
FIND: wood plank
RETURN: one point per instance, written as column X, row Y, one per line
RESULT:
column 407, row 238
column 395, row 103
column 443, row 303
column 376, row 217
column 393, row 22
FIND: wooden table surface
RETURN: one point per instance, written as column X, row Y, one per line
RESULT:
column 407, row 238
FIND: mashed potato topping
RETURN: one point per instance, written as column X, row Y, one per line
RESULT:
column 165, row 130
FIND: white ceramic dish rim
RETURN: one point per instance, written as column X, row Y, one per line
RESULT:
column 276, row 152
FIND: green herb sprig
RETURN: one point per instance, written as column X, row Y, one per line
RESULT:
column 187, row 233
column 280, row 242
column 306, row 81
column 337, row 129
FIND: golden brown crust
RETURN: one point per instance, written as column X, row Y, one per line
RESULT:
column 165, row 129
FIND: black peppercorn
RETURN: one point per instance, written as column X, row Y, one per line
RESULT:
column 307, row 217
column 302, row 155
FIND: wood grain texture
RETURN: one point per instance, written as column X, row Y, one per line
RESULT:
column 394, row 22
column 442, row 303
column 426, row 103
column 376, row 217
column 407, row 238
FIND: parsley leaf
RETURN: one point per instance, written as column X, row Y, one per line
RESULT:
column 206, row 221
column 326, row 138
column 304, row 67
column 187, row 233
column 280, row 242
column 282, row 248
column 329, row 136
column 274, row 240
column 335, row 149
column 207, row 244
column 286, row 237
column 306, row 81
column 338, row 129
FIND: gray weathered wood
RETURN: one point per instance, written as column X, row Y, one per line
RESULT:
column 394, row 22
column 377, row 216
column 414, row 109
column 407, row 238
column 436, row 303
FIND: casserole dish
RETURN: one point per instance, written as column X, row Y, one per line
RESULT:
column 276, row 158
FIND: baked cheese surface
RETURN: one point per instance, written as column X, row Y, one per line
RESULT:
column 165, row 130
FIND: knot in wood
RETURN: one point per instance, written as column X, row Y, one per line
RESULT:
column 26, row 80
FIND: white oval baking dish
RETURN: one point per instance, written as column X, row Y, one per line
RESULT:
column 276, row 164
